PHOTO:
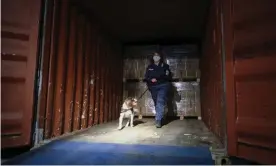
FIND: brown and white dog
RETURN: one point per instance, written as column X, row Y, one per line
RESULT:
column 128, row 110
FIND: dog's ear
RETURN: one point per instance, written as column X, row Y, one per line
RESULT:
column 129, row 98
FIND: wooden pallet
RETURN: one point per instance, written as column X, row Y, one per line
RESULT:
column 127, row 80
column 182, row 117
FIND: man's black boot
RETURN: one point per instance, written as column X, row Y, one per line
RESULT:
column 158, row 124
column 164, row 121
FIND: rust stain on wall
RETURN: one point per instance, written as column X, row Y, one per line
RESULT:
column 78, row 73
column 211, row 75
column 61, row 54
column 80, row 67
column 71, row 74
column 92, row 71
column 102, row 76
column 86, row 92
column 51, row 76
column 97, row 80
column 105, row 107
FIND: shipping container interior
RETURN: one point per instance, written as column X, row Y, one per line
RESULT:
column 87, row 56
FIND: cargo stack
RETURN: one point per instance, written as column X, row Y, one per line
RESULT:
column 184, row 96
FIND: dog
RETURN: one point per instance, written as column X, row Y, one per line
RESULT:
column 128, row 110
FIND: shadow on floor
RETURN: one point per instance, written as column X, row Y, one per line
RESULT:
column 138, row 122
column 168, row 120
column 165, row 121
column 9, row 153
column 240, row 161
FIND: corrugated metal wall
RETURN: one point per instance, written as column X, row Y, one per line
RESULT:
column 19, row 40
column 211, row 75
column 249, row 38
column 251, row 79
column 81, row 72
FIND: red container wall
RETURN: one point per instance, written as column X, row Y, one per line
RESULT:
column 249, row 41
column 249, row 28
column 82, row 72
column 19, row 40
column 211, row 75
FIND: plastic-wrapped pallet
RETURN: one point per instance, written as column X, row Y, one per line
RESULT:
column 183, row 60
column 142, row 65
column 175, row 67
column 190, row 64
column 129, row 71
column 140, row 51
column 190, row 74
column 184, row 99
column 197, row 97
column 180, row 50
column 136, row 60
column 131, row 68
column 149, row 105
column 184, row 68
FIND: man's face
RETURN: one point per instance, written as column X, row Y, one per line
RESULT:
column 156, row 57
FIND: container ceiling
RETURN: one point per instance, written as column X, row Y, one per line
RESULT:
column 150, row 20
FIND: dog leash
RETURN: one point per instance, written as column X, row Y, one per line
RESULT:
column 143, row 94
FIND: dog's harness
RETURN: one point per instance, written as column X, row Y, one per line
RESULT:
column 125, row 110
column 131, row 109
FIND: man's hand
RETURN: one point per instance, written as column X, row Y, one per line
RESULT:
column 167, row 72
column 153, row 80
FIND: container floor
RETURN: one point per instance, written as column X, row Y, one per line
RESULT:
column 187, row 132
column 178, row 142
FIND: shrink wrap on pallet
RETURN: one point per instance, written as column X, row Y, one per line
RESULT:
column 183, row 98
